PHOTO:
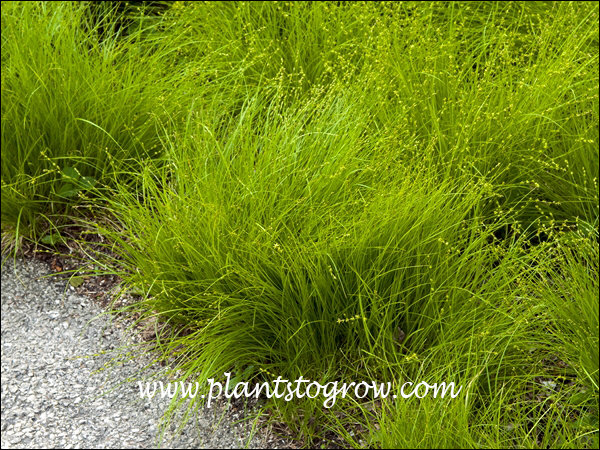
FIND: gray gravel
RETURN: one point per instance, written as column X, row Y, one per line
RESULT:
column 62, row 388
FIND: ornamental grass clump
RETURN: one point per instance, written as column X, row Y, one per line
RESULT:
column 391, row 191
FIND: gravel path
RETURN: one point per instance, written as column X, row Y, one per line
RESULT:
column 54, row 391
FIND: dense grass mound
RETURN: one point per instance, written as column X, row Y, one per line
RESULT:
column 340, row 191
column 79, row 99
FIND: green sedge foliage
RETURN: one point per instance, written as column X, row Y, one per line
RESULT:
column 79, row 98
column 326, row 174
